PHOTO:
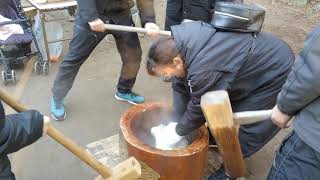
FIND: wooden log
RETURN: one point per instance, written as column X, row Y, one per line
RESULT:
column 217, row 110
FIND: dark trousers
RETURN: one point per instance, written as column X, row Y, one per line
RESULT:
column 254, row 136
column 173, row 14
column 83, row 43
column 295, row 160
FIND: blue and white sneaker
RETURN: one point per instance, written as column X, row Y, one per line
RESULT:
column 57, row 110
column 131, row 98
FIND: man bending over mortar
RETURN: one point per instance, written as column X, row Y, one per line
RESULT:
column 252, row 67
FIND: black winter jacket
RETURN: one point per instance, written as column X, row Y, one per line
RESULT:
column 17, row 131
column 90, row 10
column 250, row 68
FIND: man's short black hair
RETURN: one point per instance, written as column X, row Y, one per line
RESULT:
column 162, row 51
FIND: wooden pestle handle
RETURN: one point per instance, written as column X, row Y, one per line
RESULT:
column 113, row 27
column 61, row 139
column 216, row 107
column 247, row 117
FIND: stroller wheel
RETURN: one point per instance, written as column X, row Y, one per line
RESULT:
column 4, row 77
column 37, row 68
column 45, row 68
column 7, row 76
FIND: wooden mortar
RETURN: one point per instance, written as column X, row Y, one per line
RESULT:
column 187, row 163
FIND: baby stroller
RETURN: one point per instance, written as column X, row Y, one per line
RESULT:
column 16, row 49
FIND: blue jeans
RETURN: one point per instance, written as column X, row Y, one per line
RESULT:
column 295, row 160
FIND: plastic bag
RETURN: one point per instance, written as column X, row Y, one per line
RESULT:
column 54, row 32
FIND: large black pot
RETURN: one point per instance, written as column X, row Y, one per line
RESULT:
column 238, row 17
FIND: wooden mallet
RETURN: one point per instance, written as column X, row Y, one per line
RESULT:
column 129, row 169
column 113, row 27
column 217, row 110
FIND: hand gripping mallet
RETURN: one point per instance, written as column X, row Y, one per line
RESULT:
column 113, row 27
column 129, row 169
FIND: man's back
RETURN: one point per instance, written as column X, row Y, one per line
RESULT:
column 250, row 68
column 262, row 73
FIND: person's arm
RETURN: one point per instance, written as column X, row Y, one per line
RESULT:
column 5, row 169
column 87, row 10
column 146, row 11
column 20, row 130
column 193, row 117
column 88, row 13
column 180, row 98
column 303, row 84
column 148, row 17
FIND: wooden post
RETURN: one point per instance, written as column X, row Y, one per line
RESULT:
column 218, row 113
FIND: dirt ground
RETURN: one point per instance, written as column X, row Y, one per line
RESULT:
column 290, row 23
column 94, row 114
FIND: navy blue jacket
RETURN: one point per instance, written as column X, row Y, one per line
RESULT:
column 250, row 68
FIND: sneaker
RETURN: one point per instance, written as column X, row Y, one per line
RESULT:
column 131, row 98
column 220, row 175
column 57, row 110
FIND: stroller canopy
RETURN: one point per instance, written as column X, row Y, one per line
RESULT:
column 8, row 9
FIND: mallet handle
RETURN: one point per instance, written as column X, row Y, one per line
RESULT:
column 247, row 117
column 114, row 27
column 62, row 139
